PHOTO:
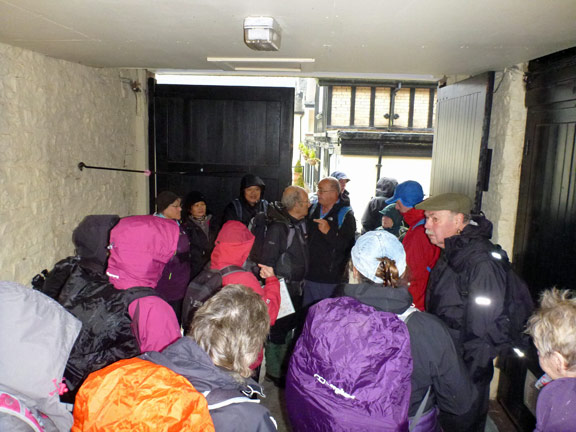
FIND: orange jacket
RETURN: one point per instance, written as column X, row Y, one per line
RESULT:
column 137, row 395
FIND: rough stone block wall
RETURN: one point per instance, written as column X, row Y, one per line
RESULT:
column 507, row 130
column 54, row 114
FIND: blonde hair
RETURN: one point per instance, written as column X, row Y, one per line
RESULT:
column 553, row 325
column 231, row 327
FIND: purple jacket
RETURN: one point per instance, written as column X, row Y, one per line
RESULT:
column 176, row 275
column 556, row 407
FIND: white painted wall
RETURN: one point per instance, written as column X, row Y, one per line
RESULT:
column 54, row 114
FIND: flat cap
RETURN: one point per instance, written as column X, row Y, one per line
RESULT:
column 456, row 202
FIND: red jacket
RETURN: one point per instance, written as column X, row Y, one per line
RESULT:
column 421, row 255
column 232, row 247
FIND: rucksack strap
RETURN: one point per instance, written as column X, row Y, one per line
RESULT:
column 264, row 205
column 220, row 398
column 13, row 406
column 420, row 411
column 136, row 293
column 230, row 269
column 406, row 314
column 342, row 214
column 237, row 207
column 420, row 222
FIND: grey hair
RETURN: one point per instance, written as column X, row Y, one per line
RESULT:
column 335, row 183
column 291, row 196
column 466, row 217
column 553, row 325
column 232, row 327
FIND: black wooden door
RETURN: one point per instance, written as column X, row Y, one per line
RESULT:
column 545, row 241
column 460, row 155
column 206, row 138
column 545, row 236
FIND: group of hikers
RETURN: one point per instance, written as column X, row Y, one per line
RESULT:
column 162, row 322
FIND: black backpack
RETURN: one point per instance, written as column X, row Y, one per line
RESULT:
column 106, row 334
column 207, row 283
column 518, row 305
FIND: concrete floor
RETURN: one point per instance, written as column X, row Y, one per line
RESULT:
column 275, row 402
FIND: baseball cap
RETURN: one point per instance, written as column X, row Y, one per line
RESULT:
column 339, row 175
column 409, row 192
column 456, row 202
column 374, row 245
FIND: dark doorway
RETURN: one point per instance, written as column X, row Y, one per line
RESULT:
column 206, row 138
column 545, row 236
column 545, row 241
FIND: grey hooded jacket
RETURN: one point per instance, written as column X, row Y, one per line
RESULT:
column 31, row 371
column 237, row 413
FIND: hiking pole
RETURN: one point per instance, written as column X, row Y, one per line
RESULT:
column 200, row 171
column 82, row 165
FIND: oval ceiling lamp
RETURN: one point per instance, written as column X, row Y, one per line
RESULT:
column 262, row 33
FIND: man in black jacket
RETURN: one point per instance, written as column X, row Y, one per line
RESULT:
column 331, row 235
column 467, row 290
column 285, row 249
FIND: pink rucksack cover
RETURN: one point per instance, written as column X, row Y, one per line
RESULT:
column 140, row 247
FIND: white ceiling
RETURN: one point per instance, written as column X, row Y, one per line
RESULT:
column 370, row 38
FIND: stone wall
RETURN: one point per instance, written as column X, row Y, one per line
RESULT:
column 54, row 114
column 507, row 129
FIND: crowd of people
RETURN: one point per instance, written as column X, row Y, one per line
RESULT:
column 162, row 321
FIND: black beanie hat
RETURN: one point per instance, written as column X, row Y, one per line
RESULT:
column 164, row 199
column 192, row 198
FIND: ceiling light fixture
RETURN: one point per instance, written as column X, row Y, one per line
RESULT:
column 262, row 33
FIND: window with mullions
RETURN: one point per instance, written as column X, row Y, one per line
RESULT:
column 380, row 107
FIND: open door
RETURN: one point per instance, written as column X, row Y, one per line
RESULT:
column 460, row 155
column 206, row 138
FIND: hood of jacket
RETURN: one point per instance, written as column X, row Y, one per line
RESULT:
column 386, row 187
column 475, row 237
column 413, row 216
column 251, row 180
column 36, row 337
column 385, row 299
column 91, row 240
column 140, row 247
column 232, row 245
column 186, row 358
column 278, row 213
